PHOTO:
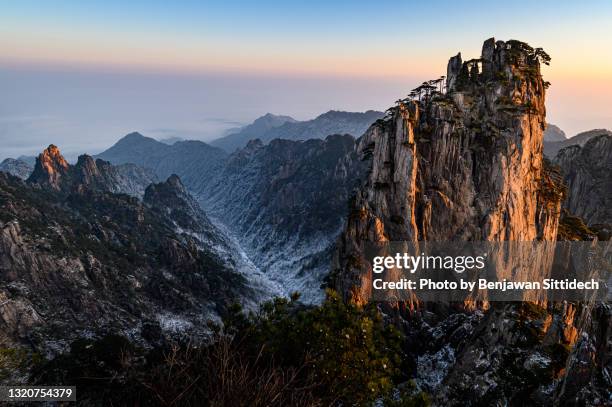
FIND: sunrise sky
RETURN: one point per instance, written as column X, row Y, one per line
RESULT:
column 82, row 74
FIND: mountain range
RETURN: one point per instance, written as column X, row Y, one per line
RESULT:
column 81, row 257
column 193, row 161
column 271, row 127
column 102, row 246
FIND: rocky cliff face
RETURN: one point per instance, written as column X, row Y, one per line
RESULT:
column 587, row 171
column 286, row 203
column 50, row 168
column 466, row 163
column 461, row 165
column 78, row 260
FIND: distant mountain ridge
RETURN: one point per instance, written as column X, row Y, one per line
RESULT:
column 235, row 138
column 191, row 160
column 551, row 148
column 269, row 127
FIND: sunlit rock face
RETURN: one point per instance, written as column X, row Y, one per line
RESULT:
column 53, row 171
column 463, row 164
column 461, row 160
column 50, row 168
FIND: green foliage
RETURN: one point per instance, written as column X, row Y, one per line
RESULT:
column 287, row 354
column 573, row 228
column 552, row 187
column 343, row 349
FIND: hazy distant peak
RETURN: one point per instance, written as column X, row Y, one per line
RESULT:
column 333, row 114
column 136, row 138
column 274, row 117
column 29, row 159
column 554, row 133
column 592, row 133
column 268, row 121
column 133, row 136
column 551, row 148
column 171, row 140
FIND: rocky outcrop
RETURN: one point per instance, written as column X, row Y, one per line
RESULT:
column 466, row 163
column 101, row 175
column 461, row 165
column 18, row 168
column 52, row 171
column 587, row 171
column 50, row 168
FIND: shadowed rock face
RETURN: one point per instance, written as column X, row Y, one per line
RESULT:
column 587, row 171
column 551, row 148
column 78, row 260
column 286, row 202
column 466, row 165
column 18, row 168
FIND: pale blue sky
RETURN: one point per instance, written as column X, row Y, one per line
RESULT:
column 82, row 74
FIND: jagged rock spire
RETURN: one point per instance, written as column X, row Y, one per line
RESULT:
column 466, row 165
column 50, row 168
